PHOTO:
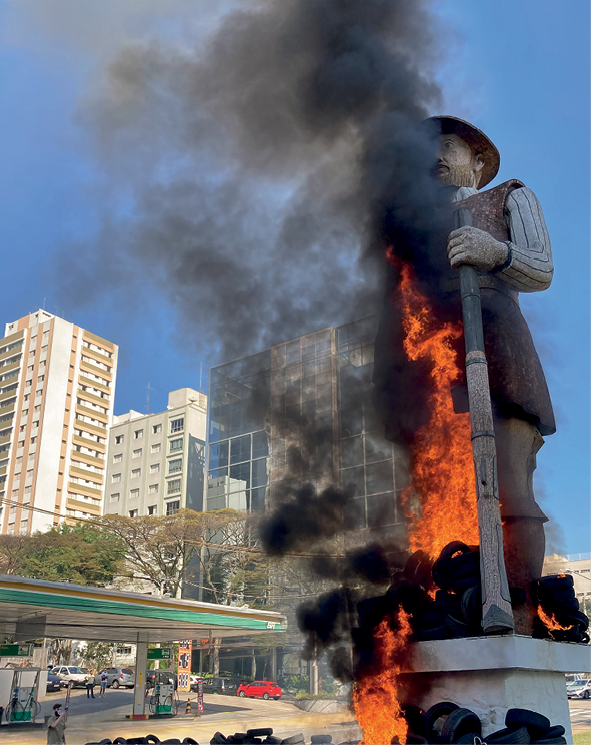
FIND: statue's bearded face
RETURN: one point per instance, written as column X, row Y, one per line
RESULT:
column 457, row 165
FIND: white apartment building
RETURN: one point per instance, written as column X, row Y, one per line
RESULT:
column 156, row 462
column 57, row 387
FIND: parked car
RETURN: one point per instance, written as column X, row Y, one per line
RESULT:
column 53, row 683
column 224, row 686
column 118, row 677
column 167, row 677
column 260, row 689
column 70, row 674
column 193, row 682
column 579, row 689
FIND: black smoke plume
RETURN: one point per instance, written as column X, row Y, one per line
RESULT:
column 256, row 173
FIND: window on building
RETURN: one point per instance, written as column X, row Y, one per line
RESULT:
column 156, row 429
column 138, row 434
column 136, row 473
column 173, row 507
column 137, row 453
column 153, row 489
column 119, row 439
column 176, row 465
column 176, row 425
column 156, row 448
column 115, row 497
column 115, row 478
column 155, row 468
column 134, row 493
column 152, row 509
column 133, row 513
column 176, row 445
column 173, row 486
column 117, row 458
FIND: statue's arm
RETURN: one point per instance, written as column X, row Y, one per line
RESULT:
column 529, row 266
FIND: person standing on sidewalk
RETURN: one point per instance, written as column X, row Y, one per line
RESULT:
column 90, row 681
column 104, row 678
column 56, row 726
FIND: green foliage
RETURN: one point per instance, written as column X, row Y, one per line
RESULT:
column 329, row 686
column 82, row 554
column 303, row 696
column 297, row 682
column 97, row 655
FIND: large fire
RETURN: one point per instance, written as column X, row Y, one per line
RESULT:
column 375, row 697
column 441, row 459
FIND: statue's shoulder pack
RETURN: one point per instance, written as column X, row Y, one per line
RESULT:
column 487, row 208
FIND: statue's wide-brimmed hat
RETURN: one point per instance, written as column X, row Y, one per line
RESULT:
column 478, row 141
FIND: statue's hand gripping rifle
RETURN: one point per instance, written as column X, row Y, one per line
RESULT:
column 497, row 616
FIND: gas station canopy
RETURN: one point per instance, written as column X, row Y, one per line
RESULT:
column 33, row 609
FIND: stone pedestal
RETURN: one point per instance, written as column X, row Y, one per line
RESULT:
column 490, row 675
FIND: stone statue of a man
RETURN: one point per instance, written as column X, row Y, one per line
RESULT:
column 509, row 246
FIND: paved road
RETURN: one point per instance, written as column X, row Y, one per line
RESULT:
column 580, row 714
column 80, row 705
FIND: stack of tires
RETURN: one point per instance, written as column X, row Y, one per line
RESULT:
column 145, row 740
column 446, row 722
column 456, row 611
column 556, row 597
column 259, row 736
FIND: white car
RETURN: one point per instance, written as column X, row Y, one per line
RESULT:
column 72, row 675
column 579, row 689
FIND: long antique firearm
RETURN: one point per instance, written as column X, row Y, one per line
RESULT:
column 497, row 616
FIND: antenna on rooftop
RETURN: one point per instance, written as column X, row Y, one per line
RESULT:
column 200, row 377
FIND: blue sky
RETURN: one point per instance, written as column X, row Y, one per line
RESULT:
column 518, row 70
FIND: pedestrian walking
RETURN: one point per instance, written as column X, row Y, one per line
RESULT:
column 90, row 681
column 104, row 678
column 56, row 726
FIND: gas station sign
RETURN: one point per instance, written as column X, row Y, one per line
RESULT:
column 184, row 665
column 159, row 654
column 16, row 650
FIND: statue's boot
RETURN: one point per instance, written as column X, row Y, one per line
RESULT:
column 524, row 542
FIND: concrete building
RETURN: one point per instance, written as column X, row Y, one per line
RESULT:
column 57, row 386
column 156, row 462
column 312, row 392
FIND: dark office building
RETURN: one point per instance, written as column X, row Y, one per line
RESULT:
column 301, row 412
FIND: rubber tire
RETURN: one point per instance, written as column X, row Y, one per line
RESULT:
column 461, row 585
column 564, row 606
column 555, row 581
column 440, row 578
column 537, row 724
column 293, row 740
column 412, row 739
column 415, row 718
column 556, row 731
column 460, row 722
column 259, row 732
column 435, row 634
column 509, row 736
column 266, row 696
column 218, row 739
column 272, row 740
column 189, row 741
column 242, row 694
column 578, row 618
column 429, row 620
column 115, row 684
column 464, row 564
column 557, row 596
column 320, row 739
column 446, row 602
column 442, row 709
column 471, row 606
column 586, row 695
column 551, row 741
column 467, row 739
column 448, row 551
column 152, row 739
column 458, row 628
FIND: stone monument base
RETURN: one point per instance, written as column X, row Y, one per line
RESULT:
column 490, row 675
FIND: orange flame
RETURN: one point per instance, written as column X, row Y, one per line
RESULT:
column 375, row 698
column 550, row 622
column 442, row 467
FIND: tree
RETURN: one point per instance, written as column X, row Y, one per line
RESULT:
column 97, row 655
column 81, row 554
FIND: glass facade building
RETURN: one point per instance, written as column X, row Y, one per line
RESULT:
column 300, row 413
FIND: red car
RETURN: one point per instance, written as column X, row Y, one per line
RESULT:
column 260, row 689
